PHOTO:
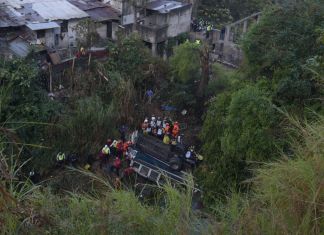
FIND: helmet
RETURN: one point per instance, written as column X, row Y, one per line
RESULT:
column 146, row 121
column 176, row 123
column 153, row 118
column 168, row 124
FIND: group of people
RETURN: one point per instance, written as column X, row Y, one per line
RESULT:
column 118, row 152
column 164, row 129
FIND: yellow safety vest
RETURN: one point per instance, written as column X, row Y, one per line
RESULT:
column 60, row 156
column 105, row 150
column 166, row 139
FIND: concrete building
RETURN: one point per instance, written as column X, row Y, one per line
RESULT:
column 156, row 21
column 162, row 20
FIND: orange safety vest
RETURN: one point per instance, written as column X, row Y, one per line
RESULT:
column 175, row 130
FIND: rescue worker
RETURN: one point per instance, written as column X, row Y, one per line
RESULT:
column 87, row 167
column 34, row 176
column 209, row 28
column 119, row 149
column 72, row 159
column 60, row 158
column 103, row 155
column 175, row 130
column 160, row 132
column 166, row 130
column 113, row 148
column 166, row 139
column 154, row 131
column 128, row 172
column 145, row 126
column 173, row 144
column 189, row 153
column 149, row 129
column 125, row 147
column 116, row 166
column 109, row 142
column 122, row 131
column 158, row 122
column 164, row 122
column 153, row 122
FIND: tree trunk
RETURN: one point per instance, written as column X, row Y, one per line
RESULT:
column 204, row 60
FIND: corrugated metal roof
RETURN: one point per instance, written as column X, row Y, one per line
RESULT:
column 87, row 4
column 58, row 10
column 40, row 26
column 13, row 17
column 19, row 47
column 7, row 18
column 165, row 6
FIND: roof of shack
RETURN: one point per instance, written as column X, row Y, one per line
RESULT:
column 165, row 7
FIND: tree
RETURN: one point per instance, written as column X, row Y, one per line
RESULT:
column 215, row 175
column 86, row 31
column 283, row 40
column 185, row 63
column 250, row 126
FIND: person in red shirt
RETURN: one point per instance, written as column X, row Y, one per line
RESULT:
column 175, row 130
column 116, row 166
column 120, row 149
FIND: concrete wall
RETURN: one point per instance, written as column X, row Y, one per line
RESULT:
column 68, row 39
column 179, row 21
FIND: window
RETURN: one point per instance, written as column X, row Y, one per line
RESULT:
column 109, row 29
column 64, row 26
column 40, row 34
column 56, row 39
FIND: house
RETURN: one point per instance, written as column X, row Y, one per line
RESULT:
column 162, row 20
column 106, row 17
column 48, row 22
column 156, row 21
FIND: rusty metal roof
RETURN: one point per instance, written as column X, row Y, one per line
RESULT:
column 97, row 11
column 103, row 14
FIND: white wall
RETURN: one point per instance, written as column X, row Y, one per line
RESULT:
column 102, row 30
column 114, row 30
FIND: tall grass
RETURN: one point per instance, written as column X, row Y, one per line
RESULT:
column 38, row 210
column 288, row 195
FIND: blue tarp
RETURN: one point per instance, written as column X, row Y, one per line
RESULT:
column 168, row 108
